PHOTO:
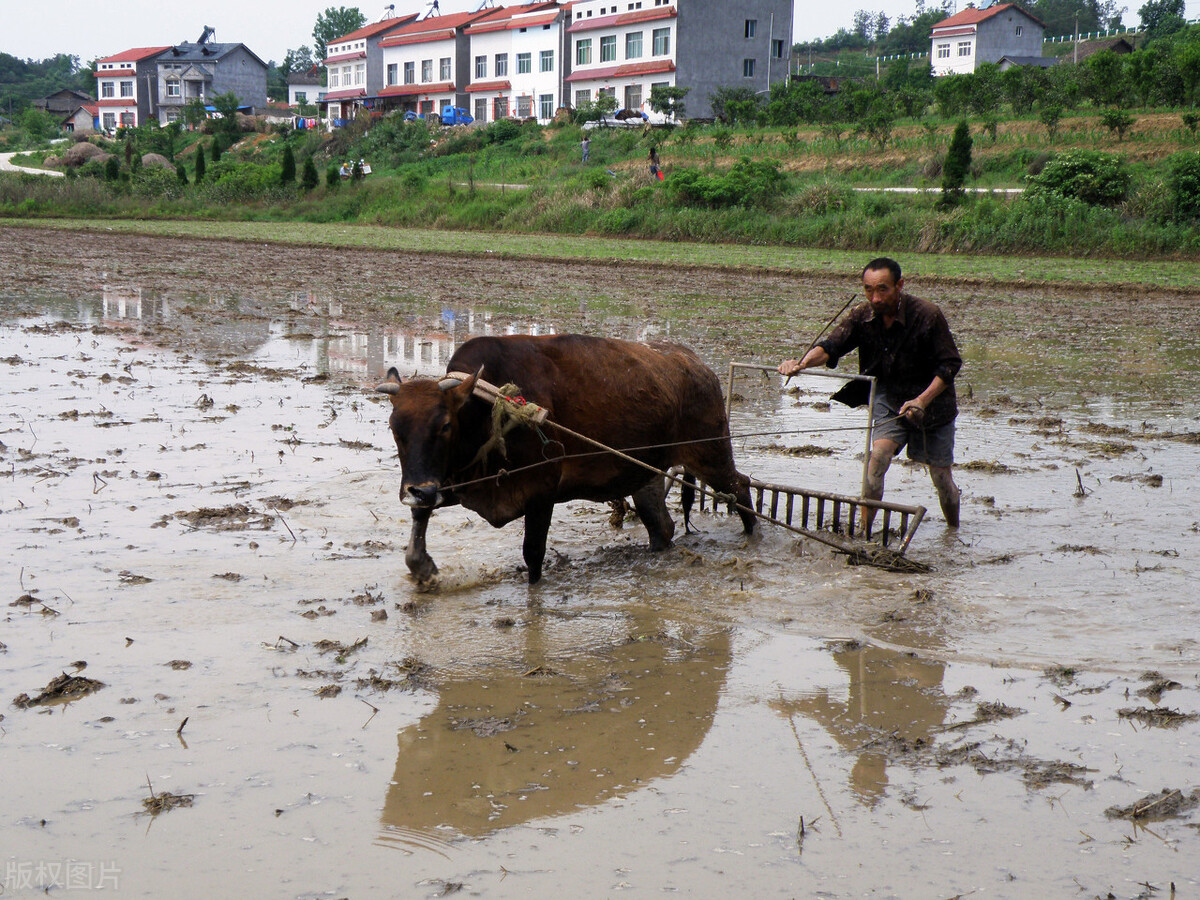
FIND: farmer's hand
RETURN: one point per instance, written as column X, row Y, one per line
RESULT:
column 789, row 367
column 913, row 412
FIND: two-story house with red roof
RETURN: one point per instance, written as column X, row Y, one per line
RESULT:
column 125, row 88
column 427, row 64
column 973, row 36
column 518, row 63
column 354, row 68
column 625, row 48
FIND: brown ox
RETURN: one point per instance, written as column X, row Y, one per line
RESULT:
column 648, row 399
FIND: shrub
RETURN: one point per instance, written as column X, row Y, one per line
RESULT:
column 748, row 183
column 287, row 172
column 1099, row 179
column 823, row 198
column 308, row 176
column 501, row 132
column 957, row 165
column 1183, row 184
column 333, row 177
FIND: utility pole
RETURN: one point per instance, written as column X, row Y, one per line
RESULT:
column 1075, row 49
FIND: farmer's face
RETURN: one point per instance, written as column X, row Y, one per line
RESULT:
column 882, row 291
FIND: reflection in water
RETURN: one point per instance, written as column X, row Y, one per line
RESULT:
column 507, row 748
column 891, row 695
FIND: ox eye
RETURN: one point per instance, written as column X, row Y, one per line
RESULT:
column 445, row 430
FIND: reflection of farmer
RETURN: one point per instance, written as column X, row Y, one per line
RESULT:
column 655, row 164
column 906, row 343
column 586, row 146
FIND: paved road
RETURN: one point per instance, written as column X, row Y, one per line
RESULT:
column 6, row 165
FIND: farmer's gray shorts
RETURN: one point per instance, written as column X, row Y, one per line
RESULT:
column 932, row 446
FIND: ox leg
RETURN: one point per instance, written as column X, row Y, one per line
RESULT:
column 687, row 496
column 650, row 502
column 537, row 527
column 419, row 562
column 742, row 492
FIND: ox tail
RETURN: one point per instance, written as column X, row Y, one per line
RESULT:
column 687, row 496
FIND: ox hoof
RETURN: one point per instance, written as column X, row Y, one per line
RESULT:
column 423, row 570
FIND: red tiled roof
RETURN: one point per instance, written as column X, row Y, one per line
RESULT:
column 114, row 73
column 975, row 16
column 407, row 90
column 588, row 24
column 346, row 57
column 439, row 28
column 628, row 70
column 512, row 24
column 954, row 32
column 137, row 54
column 129, row 102
column 647, row 15
column 489, row 86
column 345, row 95
column 399, row 40
column 375, row 28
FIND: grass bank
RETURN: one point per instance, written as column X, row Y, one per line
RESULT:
column 983, row 269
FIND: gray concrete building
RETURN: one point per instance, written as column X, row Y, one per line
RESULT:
column 205, row 68
column 960, row 43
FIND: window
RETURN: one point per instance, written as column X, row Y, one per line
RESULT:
column 110, row 121
column 662, row 41
column 607, row 92
column 608, row 48
column 360, row 73
column 582, row 98
column 392, row 71
column 633, row 45
column 943, row 51
column 500, row 108
column 524, row 104
column 583, row 52
column 173, row 88
column 524, row 64
column 964, row 48
column 480, row 109
column 1019, row 30
column 346, row 76
column 751, row 27
column 333, row 78
column 501, row 65
column 546, row 104
column 107, row 89
column 128, row 120
column 426, row 71
column 444, row 68
column 747, row 68
column 126, row 88
column 546, row 62
column 633, row 96
column 410, row 75
column 426, row 106
column 777, row 48
column 301, row 96
column 481, row 67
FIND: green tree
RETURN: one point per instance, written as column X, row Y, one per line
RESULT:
column 287, row 172
column 1162, row 17
column 1100, row 179
column 38, row 124
column 1103, row 78
column 1050, row 116
column 668, row 100
column 1183, row 183
column 308, row 174
column 1117, row 120
column 217, row 147
column 226, row 106
column 731, row 103
column 199, row 163
column 332, row 24
column 181, row 173
column 957, row 164
column 194, row 112
column 878, row 122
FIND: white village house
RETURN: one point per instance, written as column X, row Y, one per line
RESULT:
column 962, row 42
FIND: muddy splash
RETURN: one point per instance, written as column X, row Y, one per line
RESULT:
column 200, row 509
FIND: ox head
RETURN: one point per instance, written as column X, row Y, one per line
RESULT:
column 424, row 423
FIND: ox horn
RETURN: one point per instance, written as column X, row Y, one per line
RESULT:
column 454, row 379
column 392, row 384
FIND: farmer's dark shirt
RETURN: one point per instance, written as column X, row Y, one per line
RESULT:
column 904, row 358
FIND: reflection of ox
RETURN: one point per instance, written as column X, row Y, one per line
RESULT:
column 501, row 749
column 657, row 397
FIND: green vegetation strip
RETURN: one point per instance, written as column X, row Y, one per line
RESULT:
column 953, row 267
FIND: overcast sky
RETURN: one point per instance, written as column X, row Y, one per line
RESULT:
column 95, row 28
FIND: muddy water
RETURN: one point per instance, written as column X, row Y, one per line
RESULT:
column 200, row 504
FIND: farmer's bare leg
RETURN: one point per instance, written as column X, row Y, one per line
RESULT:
column 882, row 453
column 947, row 491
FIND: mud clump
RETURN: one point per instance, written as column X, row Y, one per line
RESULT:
column 1158, row 717
column 62, row 689
column 1167, row 804
column 166, row 801
column 236, row 517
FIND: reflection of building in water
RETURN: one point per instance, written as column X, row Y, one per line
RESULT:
column 890, row 695
column 505, row 749
column 130, row 303
column 423, row 344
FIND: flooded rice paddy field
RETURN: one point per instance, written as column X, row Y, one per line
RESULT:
column 220, row 680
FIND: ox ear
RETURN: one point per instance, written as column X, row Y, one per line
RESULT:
column 391, row 384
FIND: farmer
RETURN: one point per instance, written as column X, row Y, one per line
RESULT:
column 906, row 344
column 586, row 146
column 655, row 164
